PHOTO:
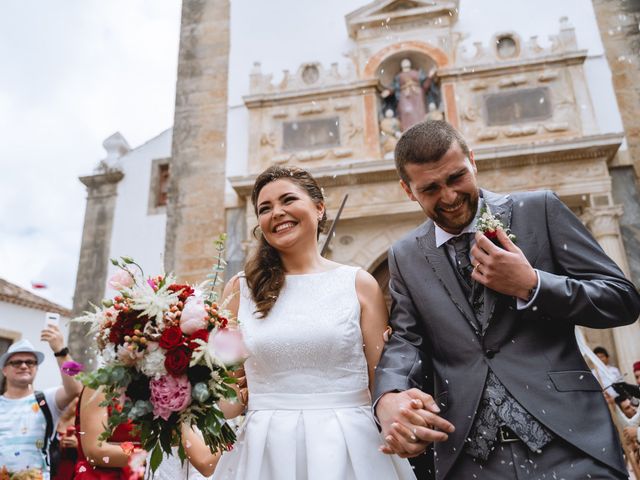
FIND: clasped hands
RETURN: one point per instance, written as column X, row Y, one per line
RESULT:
column 504, row 270
column 410, row 422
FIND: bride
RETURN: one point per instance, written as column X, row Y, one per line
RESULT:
column 314, row 331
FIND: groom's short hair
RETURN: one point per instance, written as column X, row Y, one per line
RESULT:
column 426, row 142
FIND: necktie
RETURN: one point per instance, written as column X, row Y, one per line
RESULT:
column 462, row 245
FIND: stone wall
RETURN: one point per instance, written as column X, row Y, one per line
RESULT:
column 618, row 22
column 196, row 211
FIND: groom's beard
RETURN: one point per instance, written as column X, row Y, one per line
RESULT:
column 455, row 222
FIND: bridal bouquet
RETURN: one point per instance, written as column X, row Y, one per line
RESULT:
column 169, row 356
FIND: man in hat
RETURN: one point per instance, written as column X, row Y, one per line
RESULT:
column 636, row 372
column 22, row 421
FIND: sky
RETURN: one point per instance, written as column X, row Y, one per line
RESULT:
column 73, row 73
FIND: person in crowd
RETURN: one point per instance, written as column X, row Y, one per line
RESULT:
column 101, row 460
column 66, row 431
column 603, row 355
column 486, row 295
column 314, row 331
column 636, row 372
column 23, row 418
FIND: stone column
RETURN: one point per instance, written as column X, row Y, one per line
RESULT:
column 603, row 223
column 196, row 206
column 94, row 256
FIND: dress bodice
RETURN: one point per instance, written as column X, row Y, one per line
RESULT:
column 311, row 340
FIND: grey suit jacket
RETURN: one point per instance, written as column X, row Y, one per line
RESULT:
column 532, row 351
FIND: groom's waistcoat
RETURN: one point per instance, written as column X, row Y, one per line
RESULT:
column 533, row 352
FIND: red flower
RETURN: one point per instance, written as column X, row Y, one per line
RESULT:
column 491, row 234
column 171, row 338
column 187, row 291
column 116, row 334
column 177, row 361
column 202, row 334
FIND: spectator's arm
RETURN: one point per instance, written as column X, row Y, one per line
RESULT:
column 70, row 387
column 93, row 417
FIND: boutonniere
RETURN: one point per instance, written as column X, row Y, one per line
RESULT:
column 489, row 224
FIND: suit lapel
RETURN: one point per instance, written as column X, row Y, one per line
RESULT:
column 444, row 271
column 501, row 207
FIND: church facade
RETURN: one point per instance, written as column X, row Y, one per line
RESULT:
column 530, row 90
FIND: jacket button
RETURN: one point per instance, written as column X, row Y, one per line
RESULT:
column 489, row 353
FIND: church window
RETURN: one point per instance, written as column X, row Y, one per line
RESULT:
column 518, row 106
column 311, row 134
column 158, row 186
column 163, row 185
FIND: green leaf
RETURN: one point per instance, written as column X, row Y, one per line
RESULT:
column 156, row 458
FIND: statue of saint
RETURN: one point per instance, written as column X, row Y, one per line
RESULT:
column 434, row 113
column 389, row 133
column 412, row 90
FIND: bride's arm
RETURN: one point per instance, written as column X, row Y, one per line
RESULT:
column 373, row 319
column 197, row 451
column 232, row 292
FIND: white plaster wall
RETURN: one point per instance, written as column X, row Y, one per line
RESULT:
column 136, row 233
column 282, row 34
column 29, row 322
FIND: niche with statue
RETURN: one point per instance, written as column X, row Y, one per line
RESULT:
column 409, row 92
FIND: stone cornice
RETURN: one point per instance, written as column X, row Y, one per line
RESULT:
column 592, row 146
column 103, row 178
column 515, row 66
column 377, row 13
column 374, row 171
column 312, row 94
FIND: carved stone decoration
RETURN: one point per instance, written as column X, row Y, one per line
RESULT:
column 547, row 76
column 280, row 113
column 603, row 221
column 513, row 81
column 479, row 85
column 563, row 42
column 507, row 45
column 520, row 131
column 470, row 113
column 488, row 134
column 311, row 109
column 556, row 126
column 308, row 75
column 352, row 129
column 340, row 106
column 342, row 152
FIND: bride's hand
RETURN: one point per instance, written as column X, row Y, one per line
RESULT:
column 410, row 422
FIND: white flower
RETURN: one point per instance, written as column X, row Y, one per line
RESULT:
column 108, row 354
column 95, row 318
column 152, row 364
column 154, row 303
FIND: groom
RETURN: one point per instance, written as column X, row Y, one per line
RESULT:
column 487, row 327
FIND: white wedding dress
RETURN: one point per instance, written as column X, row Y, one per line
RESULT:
column 309, row 414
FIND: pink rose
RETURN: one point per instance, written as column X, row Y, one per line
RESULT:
column 227, row 345
column 121, row 279
column 194, row 316
column 169, row 394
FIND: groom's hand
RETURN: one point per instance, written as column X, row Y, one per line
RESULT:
column 505, row 271
column 410, row 422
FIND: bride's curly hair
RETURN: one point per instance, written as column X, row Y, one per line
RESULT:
column 264, row 271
